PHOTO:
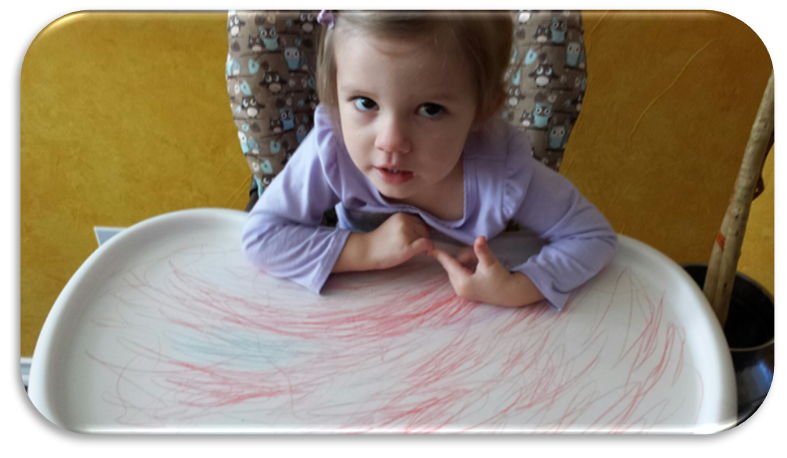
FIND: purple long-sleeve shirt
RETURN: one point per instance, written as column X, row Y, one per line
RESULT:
column 502, row 182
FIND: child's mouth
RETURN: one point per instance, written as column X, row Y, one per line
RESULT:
column 393, row 176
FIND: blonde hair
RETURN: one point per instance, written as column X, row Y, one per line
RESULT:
column 484, row 39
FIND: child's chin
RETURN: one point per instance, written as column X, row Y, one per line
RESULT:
column 394, row 192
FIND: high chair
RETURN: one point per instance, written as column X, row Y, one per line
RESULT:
column 166, row 328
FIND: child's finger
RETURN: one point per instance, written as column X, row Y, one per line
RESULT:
column 485, row 255
column 454, row 269
column 417, row 226
column 418, row 222
column 422, row 231
column 424, row 244
column 467, row 257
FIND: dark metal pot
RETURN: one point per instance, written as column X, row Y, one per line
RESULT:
column 749, row 331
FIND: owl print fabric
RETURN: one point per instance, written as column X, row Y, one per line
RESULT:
column 270, row 79
column 546, row 79
column 271, row 82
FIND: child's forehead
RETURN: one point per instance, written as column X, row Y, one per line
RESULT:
column 410, row 68
column 367, row 63
column 435, row 42
column 427, row 54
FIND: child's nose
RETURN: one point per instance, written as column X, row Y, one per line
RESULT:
column 392, row 136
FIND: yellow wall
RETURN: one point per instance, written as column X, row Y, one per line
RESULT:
column 757, row 250
column 125, row 116
column 670, row 101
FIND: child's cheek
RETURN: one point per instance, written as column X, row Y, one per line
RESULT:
column 357, row 153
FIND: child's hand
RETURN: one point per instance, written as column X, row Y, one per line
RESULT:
column 491, row 282
column 398, row 239
column 475, row 274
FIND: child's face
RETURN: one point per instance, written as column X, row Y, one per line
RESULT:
column 406, row 110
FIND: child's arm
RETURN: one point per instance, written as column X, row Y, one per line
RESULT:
column 282, row 234
column 581, row 240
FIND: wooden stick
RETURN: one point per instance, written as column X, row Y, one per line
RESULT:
column 723, row 263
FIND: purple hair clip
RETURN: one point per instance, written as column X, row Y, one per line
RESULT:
column 325, row 18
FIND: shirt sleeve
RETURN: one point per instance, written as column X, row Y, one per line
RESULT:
column 581, row 240
column 282, row 235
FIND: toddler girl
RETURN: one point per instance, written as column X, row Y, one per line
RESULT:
column 405, row 144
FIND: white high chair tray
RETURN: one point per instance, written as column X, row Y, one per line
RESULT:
column 168, row 329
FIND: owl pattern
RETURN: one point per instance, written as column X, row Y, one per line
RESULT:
column 548, row 70
column 271, row 82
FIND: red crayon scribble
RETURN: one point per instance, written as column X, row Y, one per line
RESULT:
column 403, row 354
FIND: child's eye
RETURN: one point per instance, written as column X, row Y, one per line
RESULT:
column 365, row 104
column 431, row 110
